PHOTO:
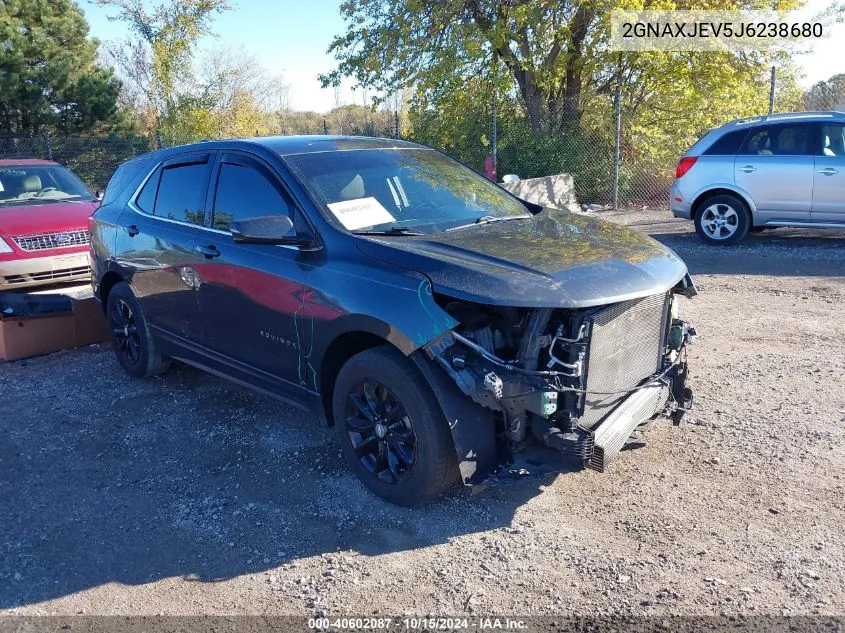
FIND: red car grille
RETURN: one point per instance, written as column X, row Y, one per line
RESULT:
column 48, row 241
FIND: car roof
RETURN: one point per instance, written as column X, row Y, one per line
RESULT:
column 19, row 162
column 291, row 145
column 785, row 117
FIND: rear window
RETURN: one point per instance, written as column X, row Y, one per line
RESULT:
column 727, row 145
column 181, row 193
column 147, row 198
column 122, row 178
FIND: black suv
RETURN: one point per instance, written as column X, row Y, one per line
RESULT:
column 445, row 327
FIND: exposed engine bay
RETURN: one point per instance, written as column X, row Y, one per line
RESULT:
column 578, row 381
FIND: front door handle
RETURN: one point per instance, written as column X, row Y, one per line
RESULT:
column 828, row 171
column 132, row 230
column 748, row 169
column 208, row 251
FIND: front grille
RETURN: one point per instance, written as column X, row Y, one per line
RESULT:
column 626, row 347
column 47, row 241
column 63, row 274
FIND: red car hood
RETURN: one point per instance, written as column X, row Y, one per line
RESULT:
column 45, row 218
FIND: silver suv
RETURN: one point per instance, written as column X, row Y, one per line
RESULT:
column 750, row 174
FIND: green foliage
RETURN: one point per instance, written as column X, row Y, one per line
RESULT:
column 94, row 159
column 826, row 95
column 440, row 46
column 460, row 123
column 157, row 64
column 556, row 75
column 49, row 79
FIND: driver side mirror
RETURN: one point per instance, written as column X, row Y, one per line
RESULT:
column 267, row 229
column 99, row 194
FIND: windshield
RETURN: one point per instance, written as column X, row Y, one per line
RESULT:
column 419, row 189
column 39, row 184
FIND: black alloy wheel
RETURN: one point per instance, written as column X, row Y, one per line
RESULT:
column 392, row 432
column 125, row 330
column 381, row 432
column 131, row 340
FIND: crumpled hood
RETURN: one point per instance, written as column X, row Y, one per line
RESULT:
column 555, row 259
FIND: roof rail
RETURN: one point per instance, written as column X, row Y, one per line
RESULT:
column 784, row 116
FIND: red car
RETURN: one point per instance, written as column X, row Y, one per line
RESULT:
column 44, row 211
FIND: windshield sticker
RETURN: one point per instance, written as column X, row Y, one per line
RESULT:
column 357, row 214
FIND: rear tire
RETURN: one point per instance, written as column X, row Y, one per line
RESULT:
column 131, row 339
column 722, row 219
column 391, row 430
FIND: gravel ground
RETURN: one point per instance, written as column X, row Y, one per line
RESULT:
column 185, row 495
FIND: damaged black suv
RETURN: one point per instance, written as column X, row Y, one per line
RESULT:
column 443, row 326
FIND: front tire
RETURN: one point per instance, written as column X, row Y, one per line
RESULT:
column 131, row 340
column 722, row 219
column 391, row 430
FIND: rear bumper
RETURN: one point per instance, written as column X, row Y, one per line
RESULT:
column 679, row 205
column 39, row 271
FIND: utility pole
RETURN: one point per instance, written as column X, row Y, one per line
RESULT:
column 617, row 149
column 495, row 122
column 772, row 93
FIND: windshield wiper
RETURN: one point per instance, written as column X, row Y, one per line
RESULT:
column 489, row 219
column 396, row 230
column 23, row 201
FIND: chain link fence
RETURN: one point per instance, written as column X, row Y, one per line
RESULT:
column 92, row 158
column 603, row 150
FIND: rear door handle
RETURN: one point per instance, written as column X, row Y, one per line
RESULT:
column 828, row 171
column 748, row 169
column 209, row 251
column 132, row 230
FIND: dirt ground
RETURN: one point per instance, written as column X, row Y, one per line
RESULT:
column 186, row 495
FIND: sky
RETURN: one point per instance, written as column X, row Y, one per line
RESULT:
column 290, row 38
column 287, row 37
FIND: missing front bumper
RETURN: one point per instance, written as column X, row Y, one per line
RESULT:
column 578, row 397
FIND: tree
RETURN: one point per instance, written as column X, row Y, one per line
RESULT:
column 826, row 95
column 389, row 45
column 49, row 78
column 157, row 64
column 554, row 52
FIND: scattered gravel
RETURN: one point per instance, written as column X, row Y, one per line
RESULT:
column 184, row 494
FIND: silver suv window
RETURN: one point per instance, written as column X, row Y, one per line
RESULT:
column 779, row 140
column 833, row 139
column 727, row 145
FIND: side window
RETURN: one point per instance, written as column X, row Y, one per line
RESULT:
column 181, row 193
column 779, row 140
column 727, row 145
column 147, row 198
column 244, row 192
column 833, row 139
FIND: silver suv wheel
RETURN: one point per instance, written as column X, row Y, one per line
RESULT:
column 719, row 221
column 722, row 219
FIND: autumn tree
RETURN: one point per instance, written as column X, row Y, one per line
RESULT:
column 434, row 45
column 827, row 95
column 156, row 60
column 49, row 77
column 555, row 53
